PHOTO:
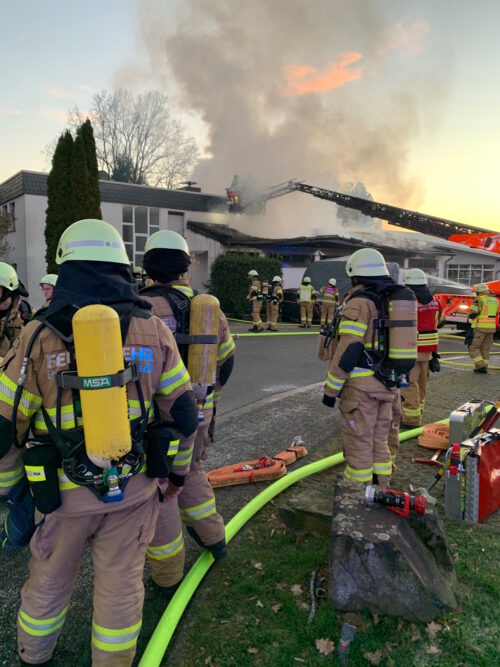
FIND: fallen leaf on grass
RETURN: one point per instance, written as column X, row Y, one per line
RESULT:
column 299, row 660
column 376, row 619
column 373, row 658
column 208, row 661
column 433, row 628
column 276, row 644
column 251, row 649
column 433, row 650
column 456, row 557
column 259, row 603
column 305, row 606
column 400, row 625
column 325, row 646
column 258, row 566
column 296, row 589
column 276, row 607
column 390, row 661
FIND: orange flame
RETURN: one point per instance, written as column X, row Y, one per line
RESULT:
column 303, row 79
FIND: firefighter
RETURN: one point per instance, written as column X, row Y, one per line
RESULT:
column 67, row 486
column 430, row 315
column 330, row 301
column 255, row 297
column 365, row 401
column 306, row 295
column 483, row 313
column 11, row 320
column 167, row 260
column 274, row 300
column 48, row 283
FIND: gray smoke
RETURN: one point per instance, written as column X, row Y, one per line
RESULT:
column 231, row 60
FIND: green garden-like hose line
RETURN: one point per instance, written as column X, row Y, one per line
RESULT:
column 159, row 640
column 274, row 334
column 460, row 337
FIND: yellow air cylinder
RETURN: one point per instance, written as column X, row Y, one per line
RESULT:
column 99, row 354
column 203, row 320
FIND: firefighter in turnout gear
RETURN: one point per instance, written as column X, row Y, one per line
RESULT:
column 11, row 320
column 307, row 296
column 44, row 412
column 330, row 301
column 430, row 315
column 48, row 283
column 357, row 371
column 255, row 297
column 166, row 260
column 483, row 313
column 273, row 304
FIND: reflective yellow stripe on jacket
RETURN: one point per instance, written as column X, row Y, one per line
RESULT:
column 28, row 404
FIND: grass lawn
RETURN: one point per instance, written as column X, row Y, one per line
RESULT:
column 254, row 608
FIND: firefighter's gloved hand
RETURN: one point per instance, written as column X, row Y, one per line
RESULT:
column 19, row 525
column 172, row 491
column 329, row 401
column 469, row 337
column 434, row 365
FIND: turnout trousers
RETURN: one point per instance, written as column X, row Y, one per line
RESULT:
column 365, row 422
column 479, row 350
column 256, row 308
column 306, row 312
column 414, row 395
column 273, row 310
column 118, row 542
column 195, row 507
column 327, row 310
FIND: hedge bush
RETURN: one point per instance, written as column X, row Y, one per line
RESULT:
column 228, row 279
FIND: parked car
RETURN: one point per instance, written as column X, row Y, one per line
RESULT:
column 290, row 309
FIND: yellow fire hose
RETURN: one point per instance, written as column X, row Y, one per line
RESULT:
column 159, row 640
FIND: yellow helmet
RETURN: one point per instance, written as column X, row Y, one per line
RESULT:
column 481, row 287
column 49, row 279
column 415, row 277
column 306, row 280
column 366, row 262
column 167, row 240
column 91, row 240
column 8, row 277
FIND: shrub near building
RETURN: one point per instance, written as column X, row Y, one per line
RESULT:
column 228, row 279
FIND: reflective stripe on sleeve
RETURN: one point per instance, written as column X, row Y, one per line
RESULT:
column 361, row 372
column 183, row 458
column 111, row 639
column 169, row 550
column 173, row 379
column 41, row 627
column 354, row 328
column 225, row 349
column 29, row 402
column 11, row 477
column 334, row 383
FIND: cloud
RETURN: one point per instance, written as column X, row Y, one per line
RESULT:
column 409, row 38
column 10, row 112
column 303, row 79
column 58, row 93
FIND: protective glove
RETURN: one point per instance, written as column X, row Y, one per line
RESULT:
column 19, row 525
column 434, row 365
column 329, row 401
column 469, row 337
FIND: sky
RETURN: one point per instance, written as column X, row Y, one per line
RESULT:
column 400, row 95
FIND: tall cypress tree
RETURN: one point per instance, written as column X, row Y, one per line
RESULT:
column 83, row 204
column 94, row 193
column 60, row 212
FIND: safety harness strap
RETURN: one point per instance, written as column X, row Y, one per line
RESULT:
column 70, row 379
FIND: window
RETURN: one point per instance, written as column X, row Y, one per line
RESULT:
column 8, row 213
column 176, row 222
column 139, row 222
column 470, row 274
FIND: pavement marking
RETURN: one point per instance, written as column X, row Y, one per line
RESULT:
column 279, row 388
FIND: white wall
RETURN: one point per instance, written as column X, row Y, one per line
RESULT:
column 35, row 206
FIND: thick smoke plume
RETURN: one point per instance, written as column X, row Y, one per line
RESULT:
column 329, row 91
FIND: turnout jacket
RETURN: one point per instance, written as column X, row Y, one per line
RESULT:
column 226, row 346
column 348, row 362
column 255, row 290
column 330, row 294
column 484, row 310
column 163, row 378
column 10, row 328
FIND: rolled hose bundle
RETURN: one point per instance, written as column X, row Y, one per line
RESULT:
column 435, row 436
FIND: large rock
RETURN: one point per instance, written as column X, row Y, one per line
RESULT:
column 387, row 563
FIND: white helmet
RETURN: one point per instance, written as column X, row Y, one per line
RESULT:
column 306, row 280
column 253, row 273
column 49, row 279
column 481, row 287
column 167, row 240
column 276, row 279
column 415, row 277
column 332, row 282
column 366, row 262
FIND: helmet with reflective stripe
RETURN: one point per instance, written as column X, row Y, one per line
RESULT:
column 8, row 277
column 306, row 280
column 93, row 241
column 415, row 277
column 276, row 279
column 366, row 262
column 253, row 273
column 49, row 279
column 481, row 287
column 332, row 281
column 167, row 240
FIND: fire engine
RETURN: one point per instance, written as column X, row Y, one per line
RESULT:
column 456, row 306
